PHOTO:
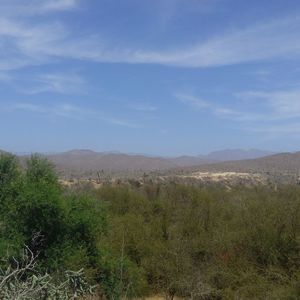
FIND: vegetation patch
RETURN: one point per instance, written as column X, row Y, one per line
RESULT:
column 135, row 240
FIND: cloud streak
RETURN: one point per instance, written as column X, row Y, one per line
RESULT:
column 35, row 43
column 277, row 105
column 259, row 111
column 277, row 39
column 35, row 7
column 194, row 102
column 62, row 83
column 143, row 107
column 69, row 111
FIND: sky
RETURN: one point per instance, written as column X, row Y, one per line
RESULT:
column 162, row 77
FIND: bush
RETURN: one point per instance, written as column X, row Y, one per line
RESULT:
column 171, row 239
column 22, row 281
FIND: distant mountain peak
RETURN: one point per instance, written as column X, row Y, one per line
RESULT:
column 80, row 152
column 238, row 154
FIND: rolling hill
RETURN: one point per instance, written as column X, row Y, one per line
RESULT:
column 219, row 156
column 276, row 163
column 85, row 162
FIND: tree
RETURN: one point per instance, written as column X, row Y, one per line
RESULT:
column 9, row 179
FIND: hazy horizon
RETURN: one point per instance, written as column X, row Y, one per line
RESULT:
column 161, row 77
column 231, row 150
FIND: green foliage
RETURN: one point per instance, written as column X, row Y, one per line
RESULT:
column 135, row 240
column 9, row 175
column 39, row 206
column 40, row 171
column 208, row 243
column 62, row 230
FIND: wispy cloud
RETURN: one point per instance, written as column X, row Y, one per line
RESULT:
column 194, row 102
column 199, row 104
column 120, row 122
column 29, row 107
column 61, row 110
column 143, row 107
column 54, row 5
column 23, row 45
column 66, row 110
column 32, row 7
column 276, row 39
column 37, row 42
column 278, row 105
column 259, row 111
column 63, row 83
column 166, row 11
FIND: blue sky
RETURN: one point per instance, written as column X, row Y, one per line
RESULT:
column 163, row 77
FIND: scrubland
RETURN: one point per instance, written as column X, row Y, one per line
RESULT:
column 166, row 238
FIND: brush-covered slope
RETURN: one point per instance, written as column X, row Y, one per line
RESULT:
column 90, row 161
column 277, row 163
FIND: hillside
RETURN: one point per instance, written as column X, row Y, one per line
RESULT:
column 237, row 154
column 277, row 163
column 87, row 161
column 188, row 161
column 219, row 156
column 84, row 162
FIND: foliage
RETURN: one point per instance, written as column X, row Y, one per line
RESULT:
column 209, row 243
column 200, row 242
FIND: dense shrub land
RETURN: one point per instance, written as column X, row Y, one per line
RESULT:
column 168, row 239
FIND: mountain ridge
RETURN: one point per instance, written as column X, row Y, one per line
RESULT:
column 86, row 161
column 285, row 162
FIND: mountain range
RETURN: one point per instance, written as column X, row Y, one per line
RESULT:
column 279, row 163
column 219, row 156
column 81, row 161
